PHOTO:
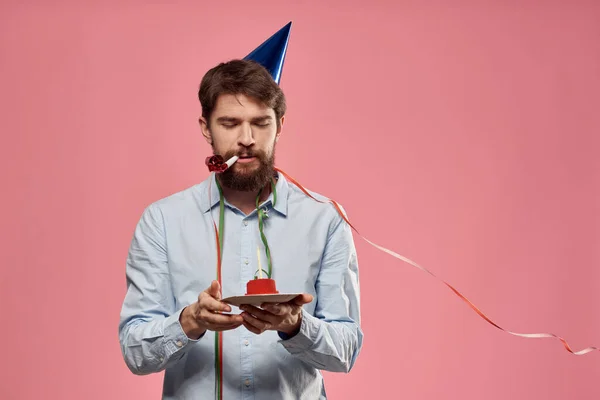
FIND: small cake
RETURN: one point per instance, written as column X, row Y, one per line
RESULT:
column 261, row 286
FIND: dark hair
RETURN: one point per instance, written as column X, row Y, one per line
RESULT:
column 240, row 77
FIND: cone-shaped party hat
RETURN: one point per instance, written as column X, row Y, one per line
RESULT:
column 271, row 53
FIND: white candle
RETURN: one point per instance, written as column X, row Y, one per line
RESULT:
column 258, row 258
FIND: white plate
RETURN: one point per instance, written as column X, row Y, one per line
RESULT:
column 258, row 299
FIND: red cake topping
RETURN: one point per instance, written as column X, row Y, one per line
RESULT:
column 261, row 286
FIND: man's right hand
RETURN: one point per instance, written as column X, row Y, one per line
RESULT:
column 205, row 314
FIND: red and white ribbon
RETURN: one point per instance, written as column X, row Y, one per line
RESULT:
column 462, row 297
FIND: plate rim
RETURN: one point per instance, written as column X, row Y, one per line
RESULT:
column 254, row 296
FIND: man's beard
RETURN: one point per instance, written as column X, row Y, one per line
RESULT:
column 238, row 178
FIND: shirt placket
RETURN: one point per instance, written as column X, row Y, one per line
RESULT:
column 247, row 262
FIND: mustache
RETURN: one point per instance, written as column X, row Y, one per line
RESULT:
column 245, row 153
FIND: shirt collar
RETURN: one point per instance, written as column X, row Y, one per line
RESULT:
column 282, row 188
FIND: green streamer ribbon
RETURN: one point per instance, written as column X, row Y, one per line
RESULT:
column 262, row 214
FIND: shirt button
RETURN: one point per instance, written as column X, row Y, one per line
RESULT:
column 246, row 261
column 179, row 344
column 247, row 382
column 245, row 223
column 246, row 343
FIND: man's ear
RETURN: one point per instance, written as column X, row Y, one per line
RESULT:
column 279, row 130
column 205, row 131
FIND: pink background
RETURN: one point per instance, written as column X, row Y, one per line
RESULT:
column 482, row 125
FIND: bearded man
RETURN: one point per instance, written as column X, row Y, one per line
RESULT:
column 173, row 313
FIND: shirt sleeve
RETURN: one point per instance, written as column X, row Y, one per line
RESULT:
column 150, row 333
column 331, row 339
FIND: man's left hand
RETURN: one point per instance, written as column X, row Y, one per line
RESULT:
column 282, row 317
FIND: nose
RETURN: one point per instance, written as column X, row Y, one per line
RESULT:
column 246, row 137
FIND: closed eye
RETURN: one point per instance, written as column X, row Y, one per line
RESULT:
column 230, row 123
column 262, row 121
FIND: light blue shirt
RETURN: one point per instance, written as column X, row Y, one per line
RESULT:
column 172, row 259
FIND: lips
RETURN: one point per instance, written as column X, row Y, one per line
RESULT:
column 246, row 159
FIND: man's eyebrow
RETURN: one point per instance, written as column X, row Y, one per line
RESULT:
column 262, row 118
column 227, row 119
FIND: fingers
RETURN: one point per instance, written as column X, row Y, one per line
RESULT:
column 251, row 328
column 303, row 299
column 255, row 325
column 227, row 327
column 278, row 309
column 291, row 307
column 211, row 304
column 263, row 315
column 214, row 290
column 208, row 311
column 217, row 319
column 208, row 301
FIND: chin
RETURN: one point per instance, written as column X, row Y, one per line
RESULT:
column 245, row 168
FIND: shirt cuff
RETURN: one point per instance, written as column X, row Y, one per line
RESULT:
column 175, row 338
column 305, row 338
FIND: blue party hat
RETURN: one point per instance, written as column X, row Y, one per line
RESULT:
column 271, row 53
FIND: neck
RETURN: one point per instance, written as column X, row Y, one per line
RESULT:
column 245, row 201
